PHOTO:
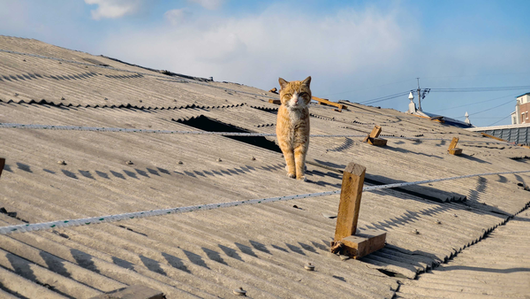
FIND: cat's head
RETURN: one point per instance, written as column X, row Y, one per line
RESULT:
column 295, row 94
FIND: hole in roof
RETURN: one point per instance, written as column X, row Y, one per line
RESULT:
column 212, row 125
column 521, row 159
column 387, row 273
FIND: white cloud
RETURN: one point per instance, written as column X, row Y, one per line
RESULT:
column 208, row 4
column 257, row 49
column 177, row 16
column 113, row 9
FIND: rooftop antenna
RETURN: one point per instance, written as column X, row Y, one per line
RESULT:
column 419, row 95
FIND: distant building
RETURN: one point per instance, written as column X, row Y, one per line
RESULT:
column 436, row 117
column 518, row 134
column 520, row 115
column 519, row 131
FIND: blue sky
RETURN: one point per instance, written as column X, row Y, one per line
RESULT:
column 354, row 50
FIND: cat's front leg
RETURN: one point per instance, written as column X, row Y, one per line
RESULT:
column 290, row 163
column 299, row 157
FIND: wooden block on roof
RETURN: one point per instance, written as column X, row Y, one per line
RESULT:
column 277, row 102
column 376, row 131
column 132, row 292
column 347, row 241
column 2, row 164
column 377, row 141
column 362, row 244
column 350, row 200
column 373, row 139
column 452, row 147
column 455, row 151
column 274, row 90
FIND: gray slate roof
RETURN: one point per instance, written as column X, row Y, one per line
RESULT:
column 261, row 248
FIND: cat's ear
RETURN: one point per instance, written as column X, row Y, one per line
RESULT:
column 283, row 83
column 307, row 81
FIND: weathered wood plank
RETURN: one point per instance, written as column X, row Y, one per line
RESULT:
column 362, row 244
column 455, row 151
column 452, row 147
column 376, row 131
column 328, row 102
column 454, row 142
column 350, row 200
column 377, row 141
column 373, row 139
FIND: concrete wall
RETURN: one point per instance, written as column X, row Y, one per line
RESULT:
column 521, row 110
column 523, row 113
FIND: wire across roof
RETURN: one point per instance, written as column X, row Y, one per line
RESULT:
column 58, row 174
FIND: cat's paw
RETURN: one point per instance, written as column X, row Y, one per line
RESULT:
column 291, row 175
column 302, row 178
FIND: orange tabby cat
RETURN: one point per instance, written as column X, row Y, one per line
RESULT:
column 292, row 126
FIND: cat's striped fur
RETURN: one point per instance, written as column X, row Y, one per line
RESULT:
column 292, row 126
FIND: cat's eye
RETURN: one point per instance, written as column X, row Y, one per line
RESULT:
column 303, row 94
column 288, row 95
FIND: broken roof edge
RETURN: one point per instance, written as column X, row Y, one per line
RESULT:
column 165, row 72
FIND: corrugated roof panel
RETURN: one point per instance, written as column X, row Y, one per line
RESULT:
column 261, row 248
column 485, row 270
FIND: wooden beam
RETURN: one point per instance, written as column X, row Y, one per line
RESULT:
column 452, row 147
column 364, row 243
column 347, row 241
column 377, row 141
column 453, row 143
column 274, row 90
column 375, row 132
column 455, row 151
column 350, row 200
column 493, row 137
column 2, row 164
column 373, row 139
column 328, row 102
column 277, row 102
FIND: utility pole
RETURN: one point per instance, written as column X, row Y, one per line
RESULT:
column 419, row 95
